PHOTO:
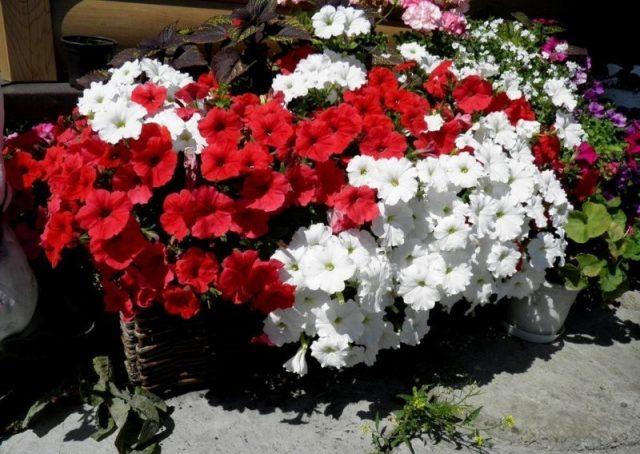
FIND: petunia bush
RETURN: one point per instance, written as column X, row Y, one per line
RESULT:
column 375, row 181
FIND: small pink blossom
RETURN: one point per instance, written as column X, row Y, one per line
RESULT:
column 453, row 23
column 555, row 50
column 423, row 16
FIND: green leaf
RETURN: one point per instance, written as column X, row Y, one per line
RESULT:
column 573, row 278
column 576, row 227
column 103, row 432
column 631, row 248
column 616, row 231
column 590, row 265
column 156, row 400
column 128, row 434
column 611, row 278
column 36, row 410
column 522, row 18
column 598, row 219
column 102, row 367
column 119, row 410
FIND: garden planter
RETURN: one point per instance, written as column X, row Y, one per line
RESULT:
column 540, row 318
column 86, row 53
column 164, row 353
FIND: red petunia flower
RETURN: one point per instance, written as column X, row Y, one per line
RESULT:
column 371, row 121
column 441, row 80
column 547, row 150
column 192, row 92
column 314, row 140
column 345, row 124
column 289, row 61
column 220, row 161
column 365, row 102
column 57, row 235
column 633, row 142
column 235, row 279
column 125, row 179
column 271, row 129
column 381, row 142
column 250, row 223
column 412, row 118
column 119, row 251
column 266, row 190
column 212, row 211
column 73, row 180
column 382, row 78
column 473, row 94
column 153, row 157
column 220, row 124
column 440, row 142
column 149, row 269
column 240, row 103
column 304, row 184
column 331, row 179
column 253, row 156
column 22, row 170
column 274, row 295
column 197, row 268
column 117, row 300
column 178, row 214
column 358, row 203
column 104, row 214
column 180, row 301
column 587, row 183
column 150, row 96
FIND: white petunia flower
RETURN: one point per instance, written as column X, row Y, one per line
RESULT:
column 570, row 132
column 396, row 180
column 560, row 94
column 327, row 267
column 328, row 22
column 283, row 326
column 544, row 249
column 464, row 170
column 121, row 120
column 393, row 225
column 508, row 220
column 451, row 233
column 96, row 98
column 331, row 351
column 414, row 327
column 434, row 122
column 419, row 281
column 412, row 51
column 298, row 363
column 503, row 259
column 314, row 235
column 291, row 272
column 356, row 22
column 360, row 170
column 494, row 160
column 339, row 319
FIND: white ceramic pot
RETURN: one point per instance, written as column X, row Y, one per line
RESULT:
column 18, row 287
column 540, row 317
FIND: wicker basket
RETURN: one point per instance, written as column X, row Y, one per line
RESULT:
column 166, row 354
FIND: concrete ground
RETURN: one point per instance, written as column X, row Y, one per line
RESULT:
column 579, row 394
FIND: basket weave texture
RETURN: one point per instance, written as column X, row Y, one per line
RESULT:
column 166, row 354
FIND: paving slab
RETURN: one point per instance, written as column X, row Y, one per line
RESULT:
column 580, row 394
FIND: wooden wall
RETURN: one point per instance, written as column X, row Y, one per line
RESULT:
column 26, row 41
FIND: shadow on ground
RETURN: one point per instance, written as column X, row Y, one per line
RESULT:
column 460, row 351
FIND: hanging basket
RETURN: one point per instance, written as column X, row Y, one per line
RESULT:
column 166, row 354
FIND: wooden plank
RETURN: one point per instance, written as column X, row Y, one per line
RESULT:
column 26, row 41
column 129, row 21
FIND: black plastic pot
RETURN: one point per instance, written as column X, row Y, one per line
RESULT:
column 86, row 53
